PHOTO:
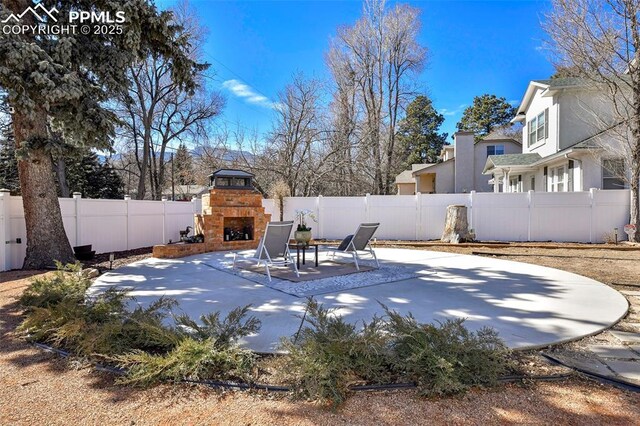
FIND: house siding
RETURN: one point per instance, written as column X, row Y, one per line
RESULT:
column 481, row 182
column 464, row 154
column 578, row 121
column 445, row 177
column 406, row 188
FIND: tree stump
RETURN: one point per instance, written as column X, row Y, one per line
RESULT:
column 456, row 228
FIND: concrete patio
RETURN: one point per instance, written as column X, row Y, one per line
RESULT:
column 530, row 306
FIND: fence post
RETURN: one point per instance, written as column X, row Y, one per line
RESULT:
column 530, row 195
column 194, row 205
column 319, row 216
column 164, row 219
column 472, row 195
column 77, row 197
column 127, row 198
column 592, row 196
column 5, row 234
column 366, row 207
column 418, row 216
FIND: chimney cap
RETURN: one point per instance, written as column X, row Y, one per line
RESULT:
column 231, row 179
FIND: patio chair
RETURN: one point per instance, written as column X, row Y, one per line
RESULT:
column 273, row 248
column 360, row 242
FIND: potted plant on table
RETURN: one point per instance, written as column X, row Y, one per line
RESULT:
column 303, row 231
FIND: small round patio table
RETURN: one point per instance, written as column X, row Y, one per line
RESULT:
column 303, row 247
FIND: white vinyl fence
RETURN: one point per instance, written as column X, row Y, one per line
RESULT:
column 109, row 225
column 114, row 225
column 529, row 216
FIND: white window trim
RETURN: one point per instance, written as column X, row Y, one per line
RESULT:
column 538, row 141
column 554, row 182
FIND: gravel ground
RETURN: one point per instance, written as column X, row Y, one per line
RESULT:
column 37, row 387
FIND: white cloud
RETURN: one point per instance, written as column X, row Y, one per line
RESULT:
column 449, row 112
column 247, row 93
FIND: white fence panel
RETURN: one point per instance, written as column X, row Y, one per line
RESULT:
column 270, row 207
column 561, row 216
column 145, row 223
column 340, row 216
column 610, row 210
column 68, row 211
column 4, row 227
column 102, row 223
column 397, row 215
column 108, row 225
column 500, row 216
column 17, row 229
column 433, row 211
column 291, row 204
column 178, row 215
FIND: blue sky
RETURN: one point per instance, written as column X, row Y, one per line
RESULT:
column 475, row 47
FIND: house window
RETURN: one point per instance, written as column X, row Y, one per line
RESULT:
column 558, row 179
column 495, row 150
column 538, row 127
column 533, row 183
column 613, row 173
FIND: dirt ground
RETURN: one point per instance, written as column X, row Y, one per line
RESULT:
column 38, row 387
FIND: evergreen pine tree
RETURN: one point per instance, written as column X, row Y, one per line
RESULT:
column 419, row 132
column 487, row 113
column 93, row 178
column 8, row 163
column 183, row 166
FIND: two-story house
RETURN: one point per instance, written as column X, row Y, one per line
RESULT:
column 562, row 142
column 460, row 168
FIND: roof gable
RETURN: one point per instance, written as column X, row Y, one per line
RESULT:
column 510, row 160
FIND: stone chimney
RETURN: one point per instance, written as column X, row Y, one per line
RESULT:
column 464, row 154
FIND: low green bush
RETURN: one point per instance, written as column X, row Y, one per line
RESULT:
column 446, row 358
column 223, row 333
column 190, row 359
column 205, row 351
column 65, row 283
column 330, row 354
column 103, row 326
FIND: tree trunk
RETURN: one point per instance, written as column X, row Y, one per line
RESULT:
column 46, row 237
column 635, row 199
column 456, row 228
column 143, row 166
column 61, row 173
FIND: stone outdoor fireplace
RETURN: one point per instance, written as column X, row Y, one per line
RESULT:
column 232, row 214
column 232, row 217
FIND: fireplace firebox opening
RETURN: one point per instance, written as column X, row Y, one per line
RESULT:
column 238, row 228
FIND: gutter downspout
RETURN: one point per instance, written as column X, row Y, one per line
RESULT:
column 557, row 126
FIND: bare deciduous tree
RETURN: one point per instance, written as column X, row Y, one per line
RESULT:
column 159, row 111
column 379, row 54
column 599, row 41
